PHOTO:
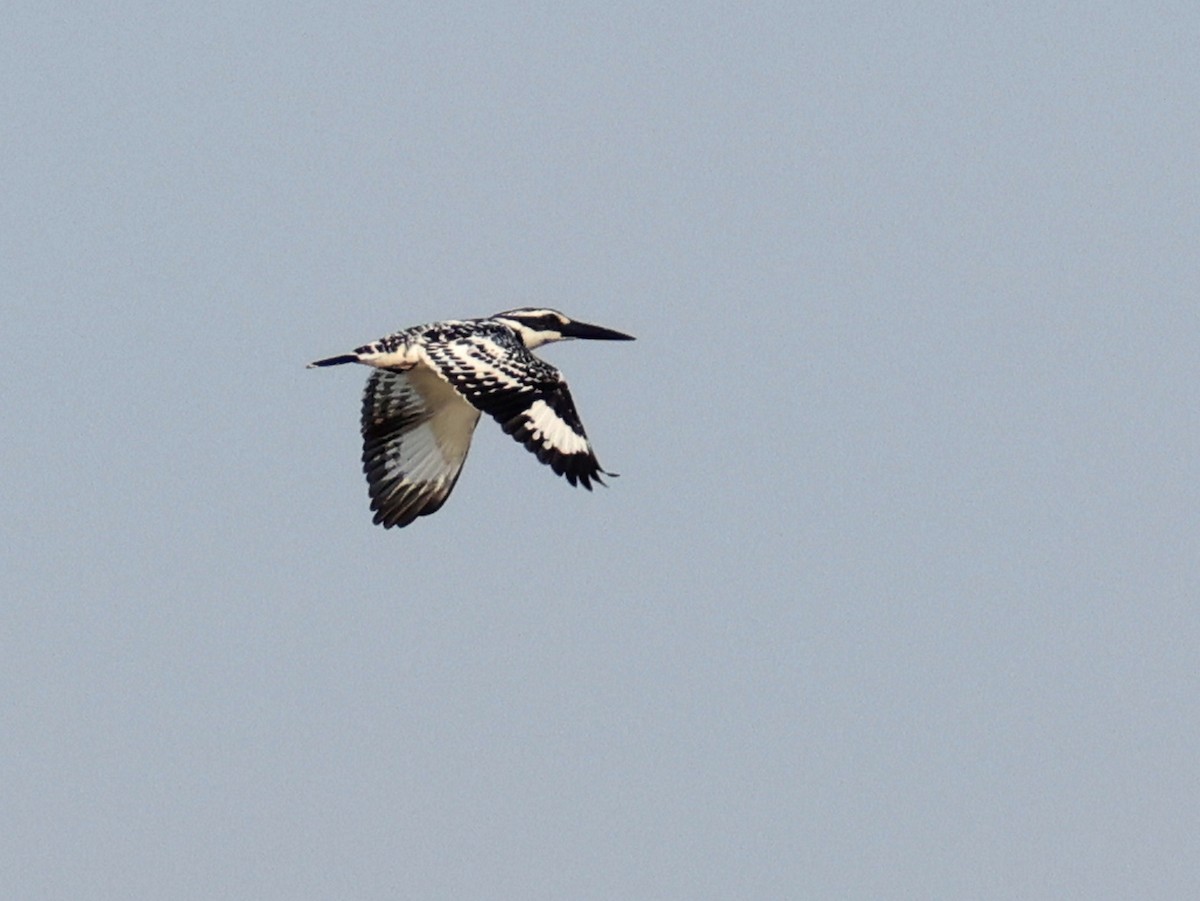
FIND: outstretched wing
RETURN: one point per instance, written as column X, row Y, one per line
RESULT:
column 526, row 395
column 416, row 433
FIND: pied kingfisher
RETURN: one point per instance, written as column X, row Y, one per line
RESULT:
column 432, row 381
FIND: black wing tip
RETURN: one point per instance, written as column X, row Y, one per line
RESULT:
column 333, row 361
column 580, row 470
column 394, row 516
column 398, row 519
column 388, row 522
column 396, row 509
column 596, row 477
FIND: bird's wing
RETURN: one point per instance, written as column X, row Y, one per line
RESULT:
column 526, row 395
column 416, row 433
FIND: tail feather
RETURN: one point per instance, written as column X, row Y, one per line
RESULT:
column 334, row 361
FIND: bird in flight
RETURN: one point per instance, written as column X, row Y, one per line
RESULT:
column 429, row 386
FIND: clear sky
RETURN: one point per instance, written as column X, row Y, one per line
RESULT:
column 897, row 593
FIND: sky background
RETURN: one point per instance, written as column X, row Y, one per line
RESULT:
column 896, row 595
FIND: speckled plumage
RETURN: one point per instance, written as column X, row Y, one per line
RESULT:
column 432, row 382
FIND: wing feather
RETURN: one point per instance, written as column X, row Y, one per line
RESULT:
column 416, row 432
column 526, row 395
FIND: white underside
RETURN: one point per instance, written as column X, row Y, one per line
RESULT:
column 432, row 451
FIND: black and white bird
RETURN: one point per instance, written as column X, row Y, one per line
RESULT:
column 431, row 383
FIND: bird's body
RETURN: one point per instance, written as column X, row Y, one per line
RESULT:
column 431, row 383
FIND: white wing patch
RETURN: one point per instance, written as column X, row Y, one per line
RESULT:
column 548, row 428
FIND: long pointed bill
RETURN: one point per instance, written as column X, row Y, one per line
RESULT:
column 593, row 332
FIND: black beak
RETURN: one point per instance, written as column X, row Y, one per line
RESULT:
column 593, row 332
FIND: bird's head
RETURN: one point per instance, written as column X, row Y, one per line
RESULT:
column 538, row 326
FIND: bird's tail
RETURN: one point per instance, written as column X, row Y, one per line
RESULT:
column 334, row 361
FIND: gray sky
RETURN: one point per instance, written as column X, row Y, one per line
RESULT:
column 896, row 596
